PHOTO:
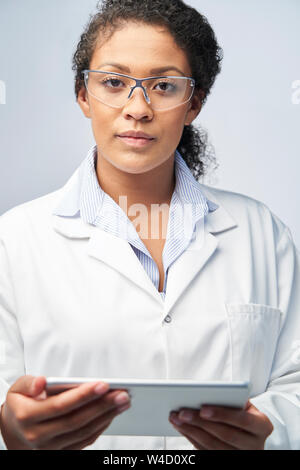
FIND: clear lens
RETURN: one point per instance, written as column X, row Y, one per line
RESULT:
column 114, row 90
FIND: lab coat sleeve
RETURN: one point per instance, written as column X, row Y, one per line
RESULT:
column 11, row 345
column 281, row 400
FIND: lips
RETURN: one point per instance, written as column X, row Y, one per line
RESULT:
column 134, row 138
column 136, row 135
column 136, row 142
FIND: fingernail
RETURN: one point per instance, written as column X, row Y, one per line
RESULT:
column 121, row 398
column 41, row 396
column 100, row 389
column 175, row 420
column 206, row 412
column 186, row 415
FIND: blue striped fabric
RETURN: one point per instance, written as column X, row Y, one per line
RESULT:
column 188, row 205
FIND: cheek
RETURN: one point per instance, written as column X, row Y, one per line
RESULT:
column 173, row 128
column 176, row 122
column 103, row 123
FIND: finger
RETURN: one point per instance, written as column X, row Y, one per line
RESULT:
column 84, row 434
column 247, row 420
column 82, row 444
column 203, row 439
column 195, row 444
column 224, row 432
column 29, row 385
column 85, row 443
column 63, row 403
column 248, row 405
column 41, row 396
column 77, row 419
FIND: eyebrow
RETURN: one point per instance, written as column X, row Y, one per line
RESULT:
column 157, row 70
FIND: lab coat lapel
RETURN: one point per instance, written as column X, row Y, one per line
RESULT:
column 202, row 248
column 118, row 254
column 115, row 252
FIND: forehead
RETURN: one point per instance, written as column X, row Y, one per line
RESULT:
column 141, row 47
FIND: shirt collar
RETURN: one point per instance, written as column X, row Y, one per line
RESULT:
column 89, row 198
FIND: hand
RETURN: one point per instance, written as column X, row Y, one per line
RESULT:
column 227, row 428
column 71, row 420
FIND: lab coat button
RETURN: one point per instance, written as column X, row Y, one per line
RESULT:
column 168, row 319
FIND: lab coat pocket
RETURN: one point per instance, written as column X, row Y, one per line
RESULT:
column 254, row 331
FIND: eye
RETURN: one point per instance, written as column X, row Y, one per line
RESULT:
column 113, row 81
column 165, row 85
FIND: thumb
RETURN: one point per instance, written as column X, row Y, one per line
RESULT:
column 29, row 385
column 251, row 408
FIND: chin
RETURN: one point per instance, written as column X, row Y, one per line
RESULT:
column 136, row 165
column 136, row 170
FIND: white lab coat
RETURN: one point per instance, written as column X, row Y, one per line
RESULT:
column 76, row 301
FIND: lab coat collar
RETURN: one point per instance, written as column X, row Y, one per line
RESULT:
column 118, row 254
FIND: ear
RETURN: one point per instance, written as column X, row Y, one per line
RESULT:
column 83, row 102
column 195, row 107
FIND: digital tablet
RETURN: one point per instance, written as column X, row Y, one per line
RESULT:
column 152, row 400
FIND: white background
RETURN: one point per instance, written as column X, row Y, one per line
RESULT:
column 252, row 115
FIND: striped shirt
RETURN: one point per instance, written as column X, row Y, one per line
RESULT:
column 188, row 205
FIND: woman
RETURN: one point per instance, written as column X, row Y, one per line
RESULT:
column 210, row 291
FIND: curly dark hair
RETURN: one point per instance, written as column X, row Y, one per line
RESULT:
column 190, row 30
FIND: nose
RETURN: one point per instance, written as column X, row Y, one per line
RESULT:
column 137, row 105
column 141, row 89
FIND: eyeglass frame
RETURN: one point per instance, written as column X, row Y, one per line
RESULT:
column 138, row 84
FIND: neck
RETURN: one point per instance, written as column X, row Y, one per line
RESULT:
column 153, row 187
